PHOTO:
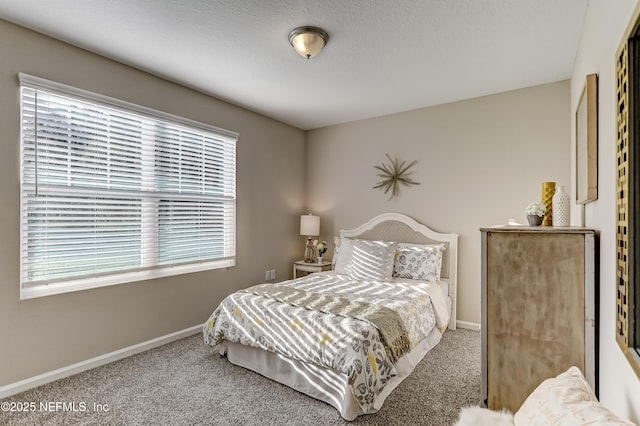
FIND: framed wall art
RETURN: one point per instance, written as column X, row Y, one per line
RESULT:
column 587, row 142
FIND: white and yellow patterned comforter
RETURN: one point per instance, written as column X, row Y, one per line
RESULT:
column 348, row 345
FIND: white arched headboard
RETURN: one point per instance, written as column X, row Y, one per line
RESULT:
column 400, row 228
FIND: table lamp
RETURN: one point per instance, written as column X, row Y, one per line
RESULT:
column 309, row 226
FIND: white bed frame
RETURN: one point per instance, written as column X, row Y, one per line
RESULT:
column 329, row 385
column 400, row 228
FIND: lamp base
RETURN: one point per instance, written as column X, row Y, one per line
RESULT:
column 309, row 252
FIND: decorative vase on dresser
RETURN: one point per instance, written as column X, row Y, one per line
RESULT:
column 548, row 189
column 538, row 309
column 534, row 220
column 560, row 206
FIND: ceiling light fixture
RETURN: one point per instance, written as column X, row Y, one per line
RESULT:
column 308, row 41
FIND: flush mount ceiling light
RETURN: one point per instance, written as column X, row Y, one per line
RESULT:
column 308, row 41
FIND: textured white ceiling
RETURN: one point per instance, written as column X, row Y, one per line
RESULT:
column 383, row 56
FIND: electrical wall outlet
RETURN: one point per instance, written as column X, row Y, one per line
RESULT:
column 273, row 274
column 267, row 275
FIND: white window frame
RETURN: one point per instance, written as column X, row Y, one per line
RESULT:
column 45, row 288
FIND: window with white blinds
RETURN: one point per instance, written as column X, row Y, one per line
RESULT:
column 113, row 192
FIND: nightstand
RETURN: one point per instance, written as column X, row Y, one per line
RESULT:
column 302, row 266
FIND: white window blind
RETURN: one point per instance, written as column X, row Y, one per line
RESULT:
column 114, row 190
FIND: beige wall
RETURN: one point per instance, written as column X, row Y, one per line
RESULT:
column 480, row 162
column 44, row 334
column 603, row 30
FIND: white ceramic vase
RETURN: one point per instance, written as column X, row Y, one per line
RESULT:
column 560, row 207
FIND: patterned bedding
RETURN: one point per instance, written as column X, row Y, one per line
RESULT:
column 349, row 345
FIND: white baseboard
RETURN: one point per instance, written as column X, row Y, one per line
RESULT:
column 79, row 367
column 468, row 325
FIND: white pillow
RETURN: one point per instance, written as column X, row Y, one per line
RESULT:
column 372, row 260
column 419, row 262
column 565, row 400
column 342, row 255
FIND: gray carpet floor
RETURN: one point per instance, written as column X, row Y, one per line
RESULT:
column 187, row 383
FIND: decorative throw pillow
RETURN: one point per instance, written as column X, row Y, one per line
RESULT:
column 342, row 255
column 371, row 260
column 419, row 262
column 565, row 400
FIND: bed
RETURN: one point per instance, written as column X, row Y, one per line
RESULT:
column 348, row 336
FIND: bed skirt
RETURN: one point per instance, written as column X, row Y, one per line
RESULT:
column 322, row 383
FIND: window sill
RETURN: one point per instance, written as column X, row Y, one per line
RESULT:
column 31, row 291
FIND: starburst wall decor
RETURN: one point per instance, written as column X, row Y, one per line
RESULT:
column 394, row 174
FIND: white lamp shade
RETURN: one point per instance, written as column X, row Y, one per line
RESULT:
column 309, row 225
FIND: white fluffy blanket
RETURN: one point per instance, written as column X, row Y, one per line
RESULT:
column 478, row 416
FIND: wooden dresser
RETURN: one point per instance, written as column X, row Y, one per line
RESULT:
column 538, row 309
